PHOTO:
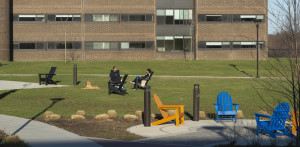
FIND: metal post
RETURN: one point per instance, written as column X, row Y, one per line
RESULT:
column 147, row 109
column 196, row 102
column 75, row 74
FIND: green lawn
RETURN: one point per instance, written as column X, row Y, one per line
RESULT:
column 168, row 67
column 173, row 90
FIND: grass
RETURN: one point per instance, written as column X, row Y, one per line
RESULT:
column 168, row 67
column 29, row 102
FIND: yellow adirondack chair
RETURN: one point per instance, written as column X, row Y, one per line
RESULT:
column 179, row 116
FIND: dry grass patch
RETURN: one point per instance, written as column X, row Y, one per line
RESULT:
column 47, row 114
column 54, row 117
column 102, row 117
column 202, row 114
column 12, row 139
column 130, row 117
column 139, row 113
column 77, row 117
column 80, row 112
column 153, row 116
column 240, row 114
column 171, row 112
column 112, row 113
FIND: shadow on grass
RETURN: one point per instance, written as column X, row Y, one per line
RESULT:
column 2, row 64
column 235, row 67
column 189, row 115
column 54, row 101
column 3, row 95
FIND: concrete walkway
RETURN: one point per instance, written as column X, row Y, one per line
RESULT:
column 38, row 134
column 11, row 85
column 205, row 133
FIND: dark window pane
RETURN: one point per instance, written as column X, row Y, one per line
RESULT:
column 40, row 19
column 202, row 45
column 247, row 19
column 214, row 46
column 64, row 19
column 113, row 45
column 179, row 44
column 161, row 19
column 16, row 46
column 187, row 44
column 89, row 45
column 160, row 43
column 40, row 45
column 77, row 45
column 26, row 18
column 149, row 45
column 16, row 17
column 169, row 45
column 201, row 17
column 213, row 18
column 177, row 21
column 51, row 45
column 124, row 18
column 169, row 19
column 69, row 45
column 226, row 18
column 60, row 45
column 149, row 17
column 88, row 18
column 137, row 18
column 76, row 18
column 136, row 45
column 27, row 45
column 51, row 17
column 236, row 18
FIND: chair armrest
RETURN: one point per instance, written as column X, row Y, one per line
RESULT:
column 236, row 106
column 42, row 74
column 217, row 107
column 262, row 115
column 173, row 106
column 170, row 107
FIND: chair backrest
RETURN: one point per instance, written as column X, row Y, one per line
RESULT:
column 148, row 78
column 224, row 101
column 123, row 81
column 280, row 114
column 160, row 104
column 51, row 73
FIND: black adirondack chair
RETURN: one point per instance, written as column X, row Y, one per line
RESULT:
column 144, row 83
column 117, row 86
column 47, row 78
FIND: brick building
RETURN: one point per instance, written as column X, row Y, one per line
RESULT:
column 40, row 30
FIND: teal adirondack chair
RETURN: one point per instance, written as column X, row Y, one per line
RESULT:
column 224, row 107
column 276, row 122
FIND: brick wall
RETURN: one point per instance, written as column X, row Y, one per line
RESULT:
column 4, row 31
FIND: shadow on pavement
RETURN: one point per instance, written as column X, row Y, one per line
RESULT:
column 54, row 101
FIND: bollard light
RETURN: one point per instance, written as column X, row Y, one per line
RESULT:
column 196, row 102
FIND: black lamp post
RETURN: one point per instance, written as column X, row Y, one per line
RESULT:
column 257, row 23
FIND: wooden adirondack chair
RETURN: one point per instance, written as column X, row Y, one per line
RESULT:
column 179, row 116
column 48, row 77
column 276, row 122
column 294, row 122
column 224, row 107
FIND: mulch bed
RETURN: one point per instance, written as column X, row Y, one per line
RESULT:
column 90, row 127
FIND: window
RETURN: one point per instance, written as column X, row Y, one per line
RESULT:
column 229, row 45
column 61, row 45
column 29, row 45
column 101, row 18
column 38, row 18
column 137, row 45
column 178, row 16
column 229, row 18
column 173, row 43
column 64, row 18
column 101, row 45
column 137, row 18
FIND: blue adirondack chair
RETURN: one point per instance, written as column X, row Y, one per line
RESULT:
column 276, row 122
column 224, row 107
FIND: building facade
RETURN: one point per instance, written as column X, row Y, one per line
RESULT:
column 43, row 30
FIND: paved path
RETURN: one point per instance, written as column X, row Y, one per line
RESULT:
column 204, row 133
column 10, row 85
column 38, row 134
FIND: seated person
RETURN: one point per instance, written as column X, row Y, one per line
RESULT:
column 138, row 79
column 115, row 75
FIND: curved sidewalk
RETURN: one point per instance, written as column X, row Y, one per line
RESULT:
column 38, row 134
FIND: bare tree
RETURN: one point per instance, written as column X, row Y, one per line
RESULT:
column 282, row 80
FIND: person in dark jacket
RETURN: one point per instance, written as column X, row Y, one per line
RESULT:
column 115, row 75
column 138, row 79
